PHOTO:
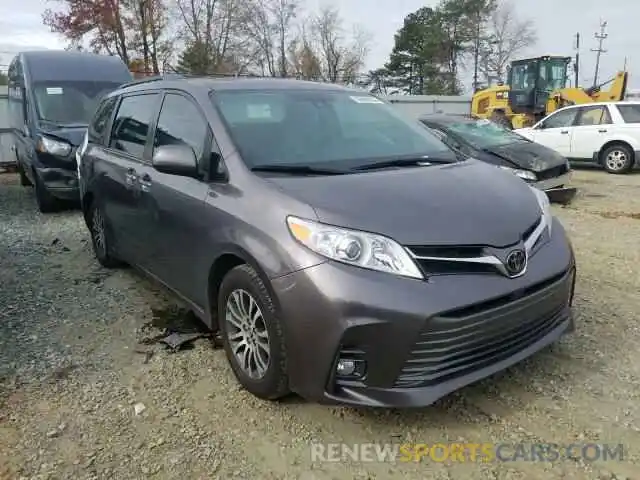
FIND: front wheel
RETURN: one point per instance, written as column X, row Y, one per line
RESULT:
column 252, row 335
column 617, row 159
column 47, row 203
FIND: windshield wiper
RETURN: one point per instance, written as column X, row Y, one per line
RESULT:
column 404, row 162
column 297, row 170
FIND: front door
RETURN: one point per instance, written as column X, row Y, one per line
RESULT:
column 592, row 129
column 121, row 170
column 555, row 131
column 174, row 205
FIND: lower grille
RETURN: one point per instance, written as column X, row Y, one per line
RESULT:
column 552, row 172
column 450, row 347
column 435, row 360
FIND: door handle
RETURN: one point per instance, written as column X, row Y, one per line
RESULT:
column 564, row 132
column 131, row 176
column 145, row 182
column 602, row 130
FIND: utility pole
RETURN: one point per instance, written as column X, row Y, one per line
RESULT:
column 600, row 37
column 476, row 55
column 576, row 66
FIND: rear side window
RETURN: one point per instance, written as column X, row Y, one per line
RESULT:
column 630, row 113
column 180, row 122
column 101, row 119
column 131, row 125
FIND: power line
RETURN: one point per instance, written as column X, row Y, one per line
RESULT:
column 600, row 37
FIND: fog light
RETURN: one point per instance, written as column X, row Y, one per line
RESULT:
column 348, row 367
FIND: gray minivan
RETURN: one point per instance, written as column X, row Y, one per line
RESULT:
column 52, row 96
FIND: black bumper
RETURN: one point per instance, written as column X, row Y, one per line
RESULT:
column 419, row 340
column 60, row 182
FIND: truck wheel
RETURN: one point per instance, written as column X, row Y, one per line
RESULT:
column 47, row 203
column 501, row 119
column 617, row 158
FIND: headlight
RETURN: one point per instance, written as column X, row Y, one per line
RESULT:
column 352, row 247
column 54, row 147
column 545, row 206
column 523, row 174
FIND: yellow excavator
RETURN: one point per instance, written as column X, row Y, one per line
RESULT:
column 535, row 88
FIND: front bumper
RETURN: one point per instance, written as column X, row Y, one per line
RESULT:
column 420, row 340
column 556, row 188
column 60, row 182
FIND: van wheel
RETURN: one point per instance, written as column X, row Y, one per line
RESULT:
column 251, row 332
column 100, row 238
column 617, row 158
column 24, row 180
column 47, row 203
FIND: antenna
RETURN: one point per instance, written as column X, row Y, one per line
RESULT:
column 600, row 37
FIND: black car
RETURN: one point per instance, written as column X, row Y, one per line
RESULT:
column 52, row 96
column 489, row 142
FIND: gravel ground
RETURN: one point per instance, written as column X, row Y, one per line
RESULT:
column 82, row 397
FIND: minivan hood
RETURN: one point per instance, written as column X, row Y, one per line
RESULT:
column 74, row 135
column 529, row 155
column 466, row 203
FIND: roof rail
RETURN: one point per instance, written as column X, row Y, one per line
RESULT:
column 154, row 78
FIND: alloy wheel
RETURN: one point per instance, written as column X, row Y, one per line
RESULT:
column 616, row 160
column 97, row 228
column 247, row 334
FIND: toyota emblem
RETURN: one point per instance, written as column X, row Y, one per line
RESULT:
column 516, row 262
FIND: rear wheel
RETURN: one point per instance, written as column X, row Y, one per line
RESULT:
column 47, row 203
column 617, row 158
column 100, row 238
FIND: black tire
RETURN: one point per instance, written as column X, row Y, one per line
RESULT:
column 24, row 180
column 617, row 158
column 47, row 203
column 274, row 382
column 501, row 119
column 100, row 237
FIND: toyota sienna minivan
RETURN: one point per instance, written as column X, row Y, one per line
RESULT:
column 341, row 250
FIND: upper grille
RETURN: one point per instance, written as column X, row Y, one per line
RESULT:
column 468, row 259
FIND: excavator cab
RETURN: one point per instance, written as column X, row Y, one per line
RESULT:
column 532, row 80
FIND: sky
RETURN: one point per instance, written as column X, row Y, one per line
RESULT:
column 556, row 21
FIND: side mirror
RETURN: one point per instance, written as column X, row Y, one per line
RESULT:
column 176, row 160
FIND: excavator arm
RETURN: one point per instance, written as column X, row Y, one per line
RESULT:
column 577, row 96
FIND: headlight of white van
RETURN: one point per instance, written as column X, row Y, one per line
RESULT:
column 54, row 147
column 523, row 174
column 361, row 249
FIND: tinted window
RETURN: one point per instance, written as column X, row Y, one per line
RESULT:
column 630, row 113
column 69, row 102
column 101, row 120
column 593, row 116
column 131, row 125
column 319, row 126
column 181, row 122
column 561, row 119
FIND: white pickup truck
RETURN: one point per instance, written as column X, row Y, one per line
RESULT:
column 605, row 133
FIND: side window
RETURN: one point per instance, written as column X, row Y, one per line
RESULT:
column 630, row 113
column 101, row 119
column 561, row 119
column 180, row 122
column 131, row 125
column 598, row 115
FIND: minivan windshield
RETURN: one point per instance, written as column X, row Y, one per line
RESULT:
column 66, row 103
column 317, row 127
column 484, row 133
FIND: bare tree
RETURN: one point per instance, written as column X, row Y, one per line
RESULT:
column 340, row 58
column 508, row 37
